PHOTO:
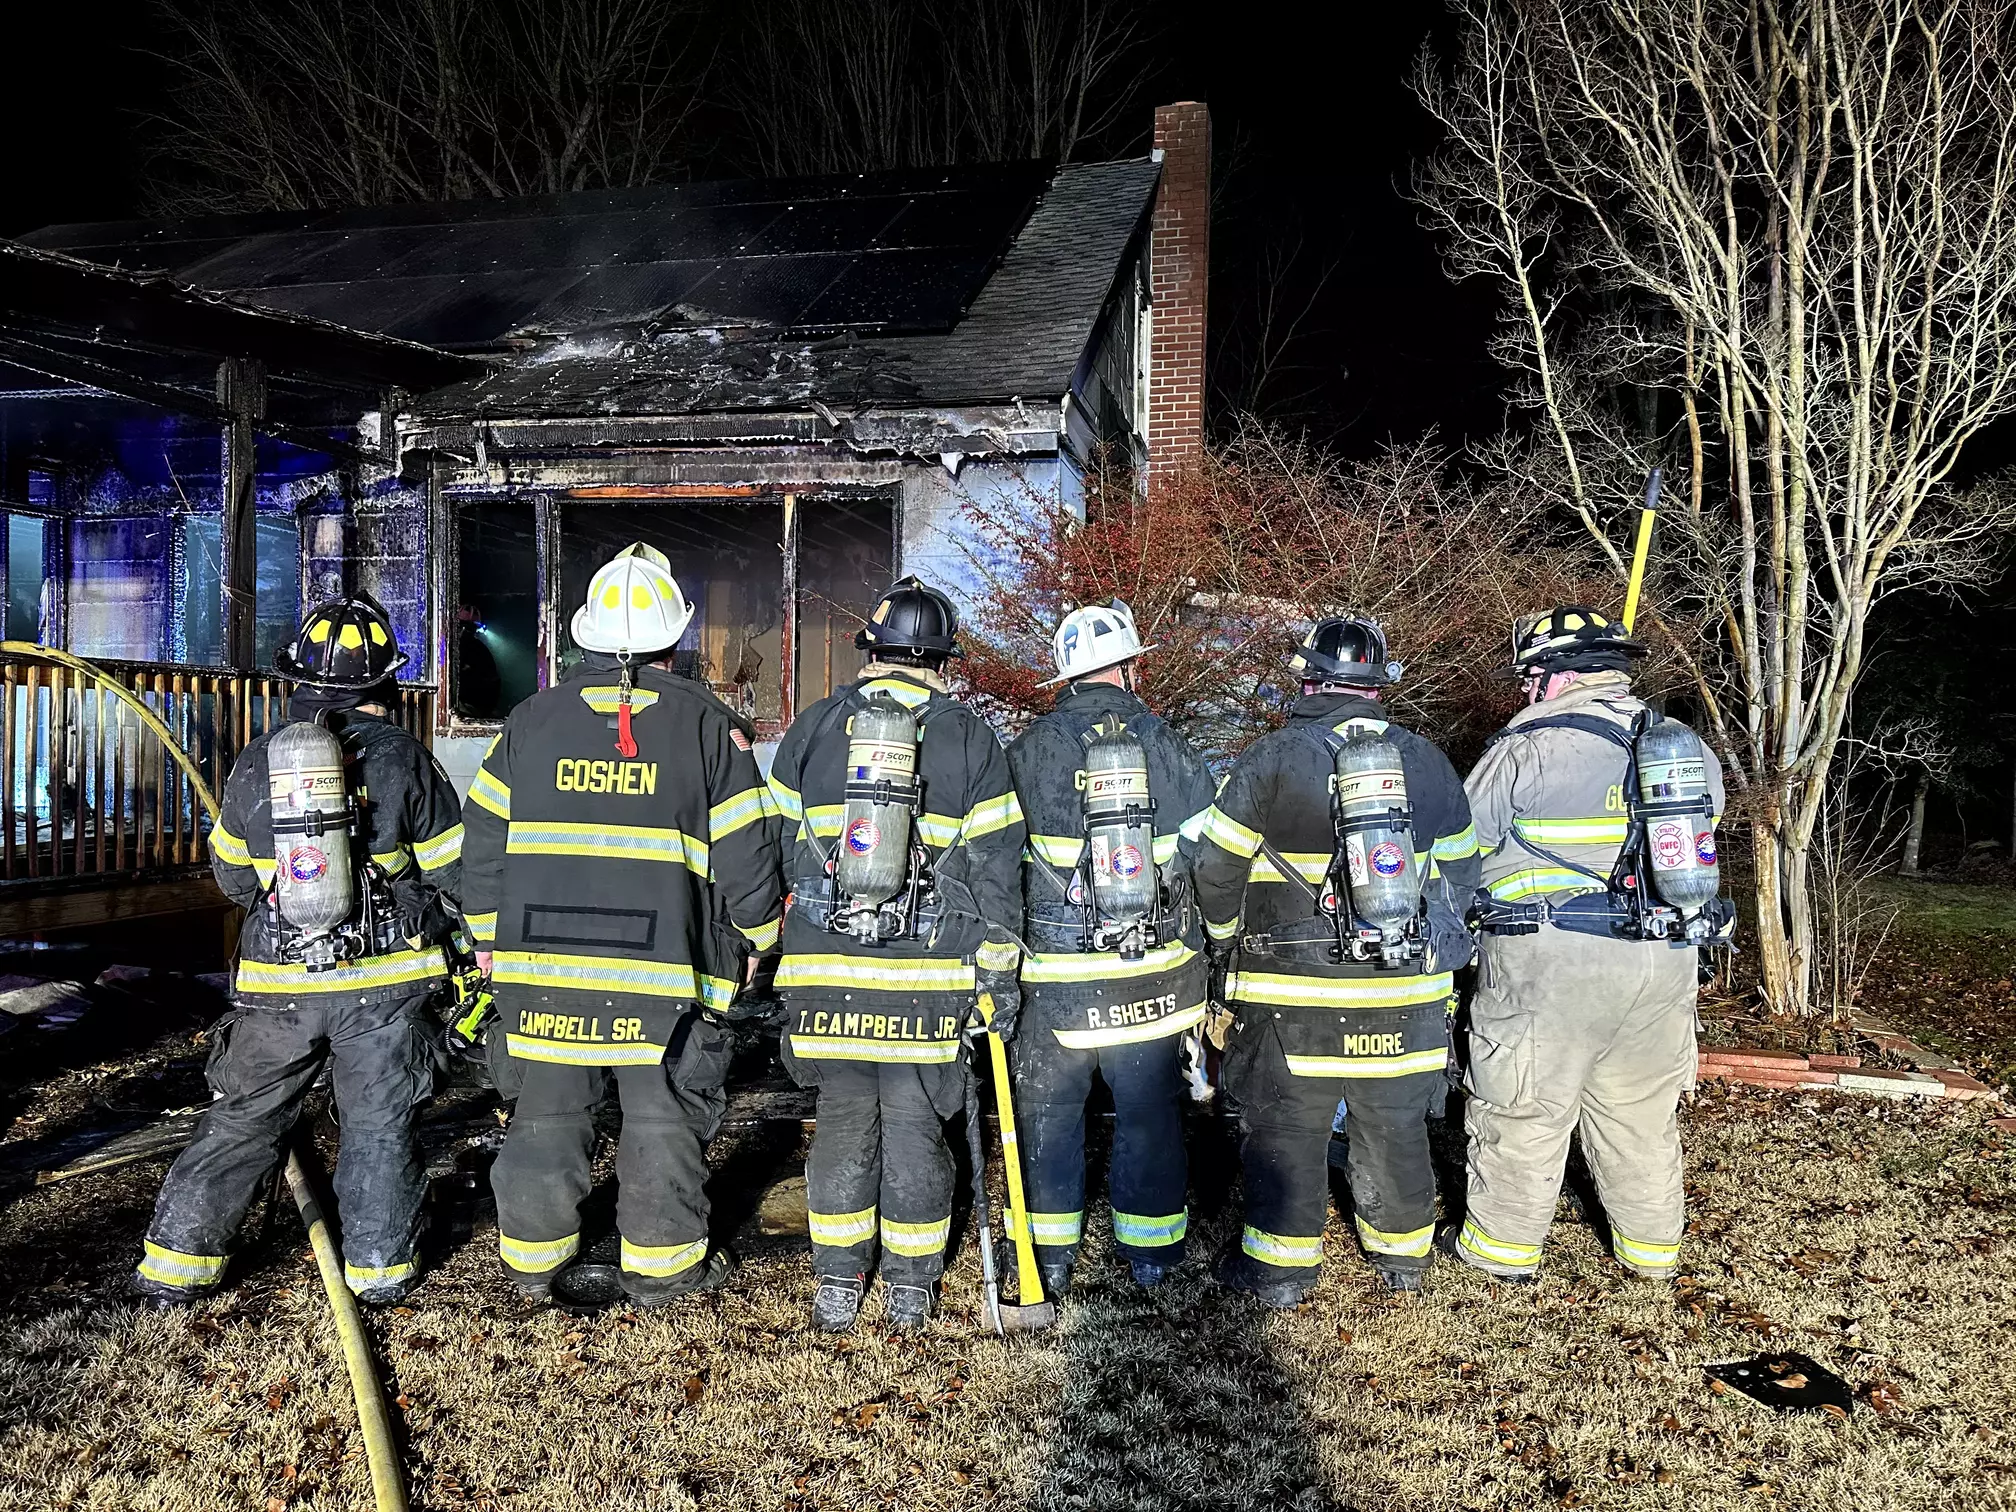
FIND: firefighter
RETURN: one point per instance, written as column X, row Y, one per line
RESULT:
column 879, row 982
column 621, row 878
column 1095, row 999
column 1572, row 1027
column 366, row 1017
column 1309, row 1029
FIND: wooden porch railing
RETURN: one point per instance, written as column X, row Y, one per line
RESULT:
column 87, row 790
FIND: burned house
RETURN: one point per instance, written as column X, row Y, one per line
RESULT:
column 793, row 388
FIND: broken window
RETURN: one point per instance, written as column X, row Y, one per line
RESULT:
column 24, row 577
column 199, row 636
column 728, row 558
column 495, row 627
column 118, row 587
column 845, row 547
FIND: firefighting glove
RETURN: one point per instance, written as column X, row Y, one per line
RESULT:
column 1449, row 938
column 997, row 1008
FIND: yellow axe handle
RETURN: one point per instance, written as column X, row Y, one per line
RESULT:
column 1028, row 1277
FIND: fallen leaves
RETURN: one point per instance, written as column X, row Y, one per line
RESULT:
column 1882, row 1397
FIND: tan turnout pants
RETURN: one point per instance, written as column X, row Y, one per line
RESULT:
column 1573, row 1030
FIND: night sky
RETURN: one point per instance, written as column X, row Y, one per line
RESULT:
column 1319, row 131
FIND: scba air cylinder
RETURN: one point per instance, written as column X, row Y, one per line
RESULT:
column 1376, row 824
column 1677, row 811
column 1120, row 830
column 314, row 884
column 872, row 859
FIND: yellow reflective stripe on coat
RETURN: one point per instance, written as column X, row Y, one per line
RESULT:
column 1311, row 866
column 1338, row 992
column 1223, row 931
column 607, row 842
column 393, row 862
column 937, row 830
column 1497, row 1251
column 482, row 926
column 352, row 976
column 1370, row 1066
column 1457, row 846
column 487, row 792
column 1227, row 833
column 1281, row 1249
column 443, row 849
column 537, row 1255
column 1413, row 1244
column 762, row 936
column 1192, row 829
column 842, row 1229
column 228, row 848
column 555, row 1052
column 263, row 867
column 916, row 1239
column 1058, row 850
column 1165, row 848
column 662, row 1259
column 823, row 819
column 174, row 1268
column 1057, row 1228
column 895, row 974
column 1150, row 1233
column 364, row 1277
column 1573, row 831
column 887, row 1052
column 732, row 814
column 606, row 700
column 1537, row 881
column 990, row 816
column 905, row 692
column 1644, row 1256
column 1131, row 1034
column 997, row 955
column 669, row 979
column 789, row 804
column 1104, row 965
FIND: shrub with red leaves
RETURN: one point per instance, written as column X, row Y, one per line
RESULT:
column 1226, row 566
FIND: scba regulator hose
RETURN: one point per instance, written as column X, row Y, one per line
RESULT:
column 388, row 1486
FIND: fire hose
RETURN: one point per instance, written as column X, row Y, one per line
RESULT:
column 388, row 1487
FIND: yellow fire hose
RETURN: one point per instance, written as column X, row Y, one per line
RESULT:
column 388, row 1487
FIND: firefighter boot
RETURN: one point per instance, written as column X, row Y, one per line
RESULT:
column 1235, row 1272
column 710, row 1274
column 907, row 1308
column 1147, row 1273
column 836, row 1304
column 1056, row 1279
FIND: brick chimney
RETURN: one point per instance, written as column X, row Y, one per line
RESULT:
column 1179, row 265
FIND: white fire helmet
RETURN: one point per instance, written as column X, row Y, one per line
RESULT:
column 1092, row 639
column 634, row 606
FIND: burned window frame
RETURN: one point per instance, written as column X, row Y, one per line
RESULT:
column 445, row 498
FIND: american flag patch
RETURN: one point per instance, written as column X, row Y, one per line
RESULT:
column 738, row 737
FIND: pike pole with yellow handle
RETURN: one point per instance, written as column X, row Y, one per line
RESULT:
column 1646, row 517
column 388, row 1485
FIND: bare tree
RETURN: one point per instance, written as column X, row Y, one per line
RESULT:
column 851, row 86
column 1792, row 222
column 297, row 104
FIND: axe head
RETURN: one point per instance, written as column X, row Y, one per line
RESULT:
column 1033, row 1318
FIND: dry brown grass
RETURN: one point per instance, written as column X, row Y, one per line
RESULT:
column 1876, row 1238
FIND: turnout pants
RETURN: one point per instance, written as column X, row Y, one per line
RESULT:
column 1285, row 1123
column 1568, row 1031
column 670, row 1112
column 262, row 1063
column 1149, row 1173
column 880, row 1170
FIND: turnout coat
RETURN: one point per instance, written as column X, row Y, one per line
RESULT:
column 617, row 893
column 412, row 827
column 1348, row 1019
column 901, row 1001
column 1088, row 998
